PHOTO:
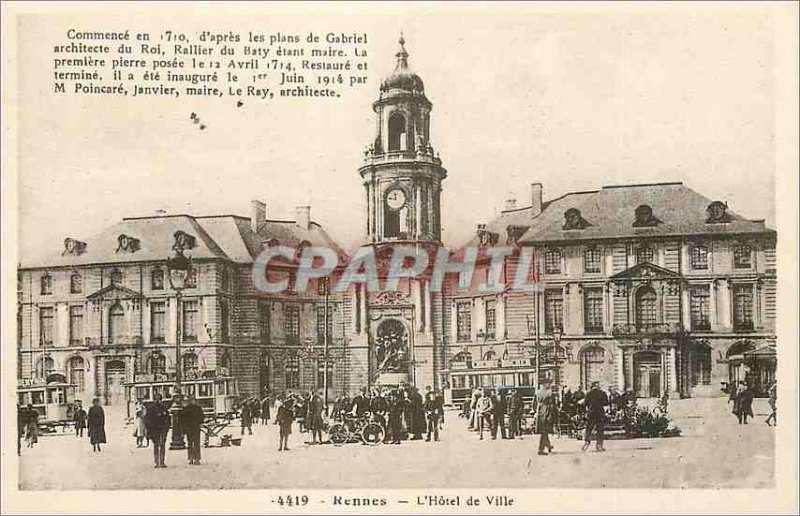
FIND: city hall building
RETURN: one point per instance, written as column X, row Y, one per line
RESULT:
column 650, row 288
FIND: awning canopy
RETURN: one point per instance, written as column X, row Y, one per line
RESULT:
column 767, row 352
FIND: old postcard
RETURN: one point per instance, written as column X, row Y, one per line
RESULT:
column 404, row 258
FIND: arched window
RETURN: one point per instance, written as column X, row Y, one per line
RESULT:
column 49, row 367
column 76, row 371
column 463, row 357
column 489, row 355
column 116, row 323
column 593, row 361
column 646, row 308
column 116, row 277
column 645, row 254
column 398, row 138
column 75, row 283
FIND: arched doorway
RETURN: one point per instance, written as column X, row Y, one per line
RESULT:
column 398, row 139
column 391, row 347
column 647, row 374
column 115, row 381
column 737, row 370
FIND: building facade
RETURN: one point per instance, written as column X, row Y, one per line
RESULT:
column 650, row 288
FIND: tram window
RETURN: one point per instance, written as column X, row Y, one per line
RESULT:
column 204, row 390
column 21, row 397
column 525, row 379
column 167, row 391
column 37, row 397
column 473, row 381
column 142, row 393
column 458, row 382
column 55, row 395
column 190, row 390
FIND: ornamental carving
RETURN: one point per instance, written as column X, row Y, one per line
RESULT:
column 390, row 297
column 72, row 246
column 127, row 244
column 184, row 241
column 574, row 220
column 644, row 217
column 717, row 213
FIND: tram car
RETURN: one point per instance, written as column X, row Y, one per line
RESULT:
column 55, row 402
column 217, row 396
column 465, row 377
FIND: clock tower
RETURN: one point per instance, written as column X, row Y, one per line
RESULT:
column 396, row 334
column 402, row 176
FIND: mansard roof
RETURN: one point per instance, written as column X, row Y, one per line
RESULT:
column 226, row 237
column 610, row 213
column 677, row 209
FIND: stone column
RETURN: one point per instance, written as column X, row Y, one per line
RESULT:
column 619, row 368
column 673, row 374
column 713, row 315
column 417, row 226
column 686, row 316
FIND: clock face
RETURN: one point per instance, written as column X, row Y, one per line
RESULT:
column 396, row 199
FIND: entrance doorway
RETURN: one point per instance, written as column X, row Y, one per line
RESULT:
column 647, row 373
column 115, row 382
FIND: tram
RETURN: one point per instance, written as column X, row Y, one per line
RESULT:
column 217, row 396
column 55, row 402
column 497, row 374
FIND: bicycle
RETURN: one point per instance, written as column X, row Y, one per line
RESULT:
column 365, row 429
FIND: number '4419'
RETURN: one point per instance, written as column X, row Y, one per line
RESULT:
column 292, row 501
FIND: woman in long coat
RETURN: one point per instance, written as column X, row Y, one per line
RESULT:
column 96, row 423
column 32, row 427
column 140, row 431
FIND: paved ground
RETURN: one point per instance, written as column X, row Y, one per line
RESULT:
column 714, row 451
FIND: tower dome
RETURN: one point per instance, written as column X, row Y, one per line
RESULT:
column 402, row 78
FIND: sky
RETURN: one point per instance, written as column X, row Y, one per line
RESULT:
column 575, row 99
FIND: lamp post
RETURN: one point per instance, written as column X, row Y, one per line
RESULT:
column 178, row 267
column 557, row 333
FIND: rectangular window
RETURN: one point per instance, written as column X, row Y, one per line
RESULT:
column 190, row 321
column 464, row 321
column 46, row 326
column 224, row 319
column 743, row 307
column 191, row 278
column 700, row 257
column 292, row 372
column 591, row 260
column 593, row 310
column 75, row 284
column 742, row 257
column 46, row 285
column 700, row 303
column 321, row 375
column 291, row 326
column 491, row 318
column 645, row 254
column 76, row 325
column 552, row 261
column 264, row 320
column 157, row 321
column 224, row 278
column 554, row 311
column 321, row 323
column 157, row 279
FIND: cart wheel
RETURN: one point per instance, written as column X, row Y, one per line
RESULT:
column 338, row 434
column 372, row 434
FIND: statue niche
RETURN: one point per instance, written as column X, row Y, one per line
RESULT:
column 391, row 347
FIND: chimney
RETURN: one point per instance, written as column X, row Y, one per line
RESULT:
column 511, row 203
column 302, row 216
column 258, row 214
column 536, row 199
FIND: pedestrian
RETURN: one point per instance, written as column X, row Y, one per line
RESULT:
column 32, row 426
column 255, row 409
column 773, row 404
column 484, row 410
column 79, row 418
column 514, row 414
column 247, row 418
column 474, row 423
column 360, row 403
column 96, row 422
column 417, row 413
column 743, row 404
column 396, row 409
column 545, row 414
column 499, row 400
column 265, row 415
column 595, row 402
column 433, row 413
column 22, row 425
column 191, row 418
column 157, row 423
column 314, row 417
column 140, row 431
column 284, row 416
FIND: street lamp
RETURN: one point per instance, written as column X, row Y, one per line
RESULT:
column 178, row 267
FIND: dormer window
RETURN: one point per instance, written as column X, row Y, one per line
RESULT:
column 72, row 246
column 644, row 217
column 127, row 244
column 574, row 220
column 184, row 241
column 486, row 238
column 717, row 213
column 514, row 233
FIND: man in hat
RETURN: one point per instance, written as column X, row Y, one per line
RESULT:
column 433, row 412
column 595, row 401
column 191, row 419
column 514, row 414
